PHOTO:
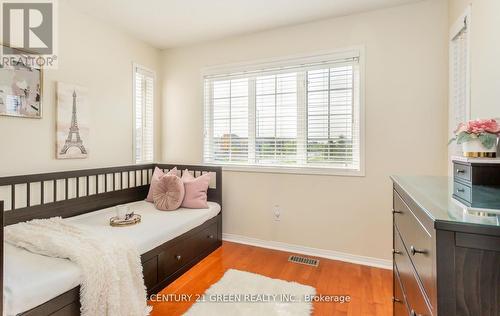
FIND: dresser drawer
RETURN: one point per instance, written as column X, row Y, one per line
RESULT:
column 462, row 172
column 416, row 299
column 418, row 242
column 399, row 305
column 462, row 191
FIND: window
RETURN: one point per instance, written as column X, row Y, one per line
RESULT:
column 300, row 113
column 460, row 73
column 143, row 114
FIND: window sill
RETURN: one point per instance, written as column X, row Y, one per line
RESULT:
column 323, row 171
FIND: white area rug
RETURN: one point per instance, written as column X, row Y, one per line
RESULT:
column 240, row 293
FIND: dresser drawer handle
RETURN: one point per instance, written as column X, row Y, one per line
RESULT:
column 414, row 251
column 396, row 252
column 210, row 236
column 178, row 257
column 460, row 190
column 414, row 313
column 459, row 171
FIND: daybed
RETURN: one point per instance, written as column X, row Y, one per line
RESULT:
column 170, row 242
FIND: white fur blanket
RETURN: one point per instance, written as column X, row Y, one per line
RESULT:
column 112, row 283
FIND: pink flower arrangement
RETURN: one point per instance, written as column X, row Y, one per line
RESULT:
column 478, row 127
column 486, row 131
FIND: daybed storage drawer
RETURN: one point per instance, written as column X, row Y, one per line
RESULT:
column 150, row 271
column 417, row 240
column 175, row 257
column 206, row 238
column 68, row 310
column 415, row 297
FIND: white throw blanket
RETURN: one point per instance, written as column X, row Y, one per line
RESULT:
column 112, row 282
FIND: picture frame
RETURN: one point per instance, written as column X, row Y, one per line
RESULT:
column 21, row 88
column 72, row 124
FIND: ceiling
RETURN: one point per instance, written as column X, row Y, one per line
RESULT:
column 171, row 23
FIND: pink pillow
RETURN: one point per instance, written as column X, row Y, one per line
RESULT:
column 195, row 190
column 168, row 192
column 157, row 174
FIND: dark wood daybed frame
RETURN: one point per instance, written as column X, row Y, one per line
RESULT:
column 125, row 184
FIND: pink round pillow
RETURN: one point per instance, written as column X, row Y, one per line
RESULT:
column 168, row 192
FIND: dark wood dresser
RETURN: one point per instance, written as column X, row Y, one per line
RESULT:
column 446, row 254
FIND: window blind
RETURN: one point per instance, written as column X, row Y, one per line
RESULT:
column 304, row 115
column 143, row 110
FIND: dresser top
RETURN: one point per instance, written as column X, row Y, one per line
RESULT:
column 476, row 160
column 433, row 195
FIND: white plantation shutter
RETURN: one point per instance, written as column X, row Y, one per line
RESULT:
column 459, row 74
column 459, row 66
column 143, row 110
column 299, row 115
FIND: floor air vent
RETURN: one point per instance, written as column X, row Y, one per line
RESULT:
column 303, row 260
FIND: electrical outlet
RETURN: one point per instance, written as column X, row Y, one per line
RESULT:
column 276, row 213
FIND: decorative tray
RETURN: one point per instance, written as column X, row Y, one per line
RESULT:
column 130, row 219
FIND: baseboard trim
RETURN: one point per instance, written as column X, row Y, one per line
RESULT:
column 310, row 251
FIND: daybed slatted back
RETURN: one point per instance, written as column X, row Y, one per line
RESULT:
column 70, row 193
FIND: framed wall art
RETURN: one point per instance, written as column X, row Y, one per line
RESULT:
column 72, row 122
column 20, row 89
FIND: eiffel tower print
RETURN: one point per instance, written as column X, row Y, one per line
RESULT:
column 73, row 139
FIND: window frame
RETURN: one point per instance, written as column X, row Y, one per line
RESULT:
column 134, row 108
column 294, row 60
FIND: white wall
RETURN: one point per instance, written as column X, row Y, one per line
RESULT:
column 406, row 130
column 485, row 51
column 96, row 56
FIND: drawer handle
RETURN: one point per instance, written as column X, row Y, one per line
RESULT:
column 459, row 171
column 395, row 300
column 460, row 190
column 178, row 257
column 210, row 236
column 414, row 313
column 396, row 252
column 414, row 251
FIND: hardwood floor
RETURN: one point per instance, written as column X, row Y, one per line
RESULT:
column 370, row 288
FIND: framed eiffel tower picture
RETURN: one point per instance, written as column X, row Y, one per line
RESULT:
column 72, row 122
